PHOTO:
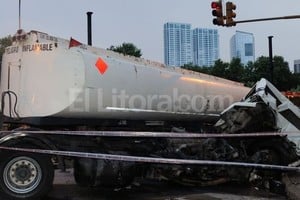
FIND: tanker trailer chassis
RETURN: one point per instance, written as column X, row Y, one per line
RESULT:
column 255, row 144
column 115, row 159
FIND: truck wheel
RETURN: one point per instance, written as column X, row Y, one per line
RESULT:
column 25, row 176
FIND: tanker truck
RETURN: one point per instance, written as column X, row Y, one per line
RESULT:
column 116, row 118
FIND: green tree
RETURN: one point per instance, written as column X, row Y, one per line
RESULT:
column 4, row 42
column 236, row 70
column 127, row 49
column 282, row 76
column 249, row 77
column 261, row 68
column 296, row 89
column 196, row 68
column 220, row 69
column 295, row 82
column 282, row 79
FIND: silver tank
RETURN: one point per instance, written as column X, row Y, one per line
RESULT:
column 54, row 77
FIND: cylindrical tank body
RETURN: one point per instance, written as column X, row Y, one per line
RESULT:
column 53, row 78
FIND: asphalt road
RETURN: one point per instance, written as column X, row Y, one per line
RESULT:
column 66, row 189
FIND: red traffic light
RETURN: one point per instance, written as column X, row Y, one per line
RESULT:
column 217, row 8
column 217, row 12
column 216, row 5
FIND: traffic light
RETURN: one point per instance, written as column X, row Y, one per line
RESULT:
column 230, row 14
column 217, row 12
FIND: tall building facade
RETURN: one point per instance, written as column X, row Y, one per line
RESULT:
column 242, row 46
column 205, row 46
column 297, row 66
column 177, row 44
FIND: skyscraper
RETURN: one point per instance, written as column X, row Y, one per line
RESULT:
column 177, row 44
column 205, row 46
column 242, row 46
column 297, row 66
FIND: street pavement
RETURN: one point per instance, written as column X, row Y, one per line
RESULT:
column 66, row 189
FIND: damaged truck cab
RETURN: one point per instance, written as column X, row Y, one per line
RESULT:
column 265, row 109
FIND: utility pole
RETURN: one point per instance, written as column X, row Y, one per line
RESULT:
column 271, row 59
column 19, row 14
column 89, row 27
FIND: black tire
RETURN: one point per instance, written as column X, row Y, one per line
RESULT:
column 25, row 176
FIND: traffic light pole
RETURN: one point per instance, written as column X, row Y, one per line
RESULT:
column 267, row 19
column 271, row 65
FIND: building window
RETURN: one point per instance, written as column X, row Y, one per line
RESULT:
column 248, row 49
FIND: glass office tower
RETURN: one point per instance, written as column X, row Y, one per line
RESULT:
column 205, row 46
column 177, row 44
column 242, row 46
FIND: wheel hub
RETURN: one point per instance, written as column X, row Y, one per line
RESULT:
column 22, row 175
column 23, row 172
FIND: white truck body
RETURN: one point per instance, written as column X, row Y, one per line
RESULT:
column 50, row 78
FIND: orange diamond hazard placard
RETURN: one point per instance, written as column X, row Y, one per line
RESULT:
column 101, row 66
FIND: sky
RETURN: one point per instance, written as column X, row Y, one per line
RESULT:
column 141, row 22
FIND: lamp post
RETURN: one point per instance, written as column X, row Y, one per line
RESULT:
column 271, row 59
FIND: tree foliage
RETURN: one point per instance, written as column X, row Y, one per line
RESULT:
column 4, row 42
column 249, row 74
column 296, row 83
column 127, row 49
column 235, row 70
column 220, row 69
column 196, row 68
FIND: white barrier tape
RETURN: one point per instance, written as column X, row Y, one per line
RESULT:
column 153, row 160
column 152, row 134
